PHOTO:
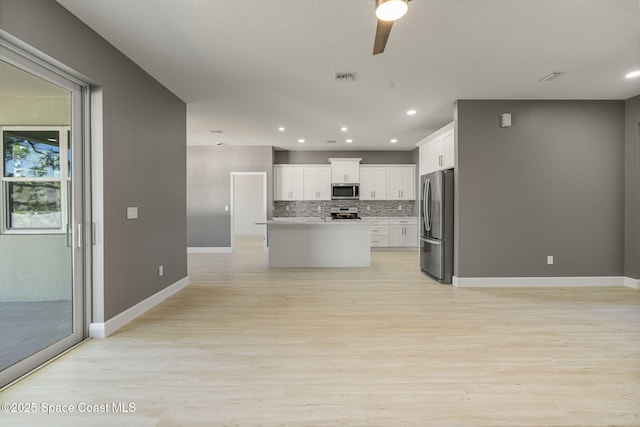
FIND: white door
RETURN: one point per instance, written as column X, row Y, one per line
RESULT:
column 248, row 205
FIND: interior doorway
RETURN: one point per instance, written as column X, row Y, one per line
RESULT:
column 248, row 208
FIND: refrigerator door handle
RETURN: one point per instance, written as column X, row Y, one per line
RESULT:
column 431, row 241
column 427, row 205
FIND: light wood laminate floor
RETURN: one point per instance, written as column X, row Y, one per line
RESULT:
column 245, row 345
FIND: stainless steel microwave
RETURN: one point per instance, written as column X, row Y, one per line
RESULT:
column 345, row 191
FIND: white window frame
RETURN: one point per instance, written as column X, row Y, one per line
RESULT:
column 64, row 179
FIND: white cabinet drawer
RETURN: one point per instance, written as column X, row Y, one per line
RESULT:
column 404, row 221
column 376, row 221
column 377, row 230
column 379, row 241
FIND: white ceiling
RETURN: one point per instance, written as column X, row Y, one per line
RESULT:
column 247, row 67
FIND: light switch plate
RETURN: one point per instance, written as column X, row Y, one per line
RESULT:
column 506, row 120
column 132, row 212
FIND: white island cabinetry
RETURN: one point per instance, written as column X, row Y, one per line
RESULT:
column 319, row 244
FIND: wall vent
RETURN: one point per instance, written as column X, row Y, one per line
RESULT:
column 346, row 77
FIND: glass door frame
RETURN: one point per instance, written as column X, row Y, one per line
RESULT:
column 20, row 55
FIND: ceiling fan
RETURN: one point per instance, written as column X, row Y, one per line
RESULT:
column 387, row 11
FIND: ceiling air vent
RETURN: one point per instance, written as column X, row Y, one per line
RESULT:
column 346, row 77
column 331, row 141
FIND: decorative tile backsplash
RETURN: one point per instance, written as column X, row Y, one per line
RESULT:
column 368, row 208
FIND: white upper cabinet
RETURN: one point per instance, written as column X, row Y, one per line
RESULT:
column 345, row 171
column 437, row 151
column 373, row 183
column 401, row 182
column 288, row 182
column 449, row 157
column 317, row 182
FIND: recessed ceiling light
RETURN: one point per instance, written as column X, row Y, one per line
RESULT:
column 281, row 129
column 633, row 74
column 393, row 141
column 411, row 112
column 349, row 141
column 301, row 141
column 344, row 129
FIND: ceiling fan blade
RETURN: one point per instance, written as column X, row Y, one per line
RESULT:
column 382, row 35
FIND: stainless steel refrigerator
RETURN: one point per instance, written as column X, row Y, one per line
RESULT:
column 436, row 225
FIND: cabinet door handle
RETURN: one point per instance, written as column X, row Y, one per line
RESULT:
column 440, row 160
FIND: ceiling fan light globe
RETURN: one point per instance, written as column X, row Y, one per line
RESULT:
column 390, row 10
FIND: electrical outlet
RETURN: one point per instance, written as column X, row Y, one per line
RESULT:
column 286, row 208
column 400, row 207
column 161, row 271
column 550, row 259
column 319, row 208
column 368, row 207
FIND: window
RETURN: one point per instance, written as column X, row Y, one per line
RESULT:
column 35, row 179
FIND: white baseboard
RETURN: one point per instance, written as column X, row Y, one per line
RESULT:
column 537, row 282
column 203, row 250
column 632, row 283
column 103, row 330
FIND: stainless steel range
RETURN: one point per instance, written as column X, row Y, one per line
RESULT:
column 344, row 213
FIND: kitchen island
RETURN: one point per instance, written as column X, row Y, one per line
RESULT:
column 319, row 243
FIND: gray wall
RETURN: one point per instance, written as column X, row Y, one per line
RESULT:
column 322, row 157
column 552, row 184
column 209, row 189
column 632, row 189
column 144, row 152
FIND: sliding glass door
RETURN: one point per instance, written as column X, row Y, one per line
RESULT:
column 42, row 212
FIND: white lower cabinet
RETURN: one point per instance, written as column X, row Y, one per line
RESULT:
column 379, row 232
column 393, row 232
column 403, row 232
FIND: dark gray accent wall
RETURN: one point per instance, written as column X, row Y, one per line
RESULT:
column 552, row 184
column 632, row 189
column 144, row 152
column 322, row 157
column 209, row 189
